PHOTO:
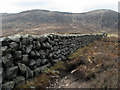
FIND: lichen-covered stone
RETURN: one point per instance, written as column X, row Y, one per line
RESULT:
column 14, row 38
column 44, row 61
column 25, row 40
column 37, row 71
column 42, row 38
column 31, row 63
column 22, row 68
column 29, row 73
column 7, row 60
column 19, row 79
column 14, row 46
column 11, row 72
column 42, row 54
column 25, row 58
column 38, row 62
column 9, row 84
column 29, row 48
column 18, row 55
column 4, row 41
column 38, row 45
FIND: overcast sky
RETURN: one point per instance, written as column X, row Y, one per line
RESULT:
column 75, row 6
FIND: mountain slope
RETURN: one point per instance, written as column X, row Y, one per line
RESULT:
column 44, row 21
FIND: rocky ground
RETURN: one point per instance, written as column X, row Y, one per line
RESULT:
column 94, row 66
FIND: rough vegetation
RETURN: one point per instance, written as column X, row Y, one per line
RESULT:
column 94, row 66
column 98, row 63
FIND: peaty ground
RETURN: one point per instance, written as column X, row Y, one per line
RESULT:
column 94, row 66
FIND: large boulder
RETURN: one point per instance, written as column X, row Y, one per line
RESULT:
column 11, row 72
column 9, row 84
column 7, row 60
column 22, row 68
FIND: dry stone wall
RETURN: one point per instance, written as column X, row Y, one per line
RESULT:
column 26, row 56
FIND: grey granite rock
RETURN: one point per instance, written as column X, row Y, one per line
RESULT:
column 18, row 55
column 19, row 79
column 25, row 58
column 7, row 60
column 8, row 85
column 29, row 48
column 22, row 68
column 14, row 46
column 29, row 73
column 11, row 72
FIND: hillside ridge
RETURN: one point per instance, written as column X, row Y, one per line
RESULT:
column 45, row 21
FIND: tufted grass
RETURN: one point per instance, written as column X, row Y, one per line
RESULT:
column 99, row 63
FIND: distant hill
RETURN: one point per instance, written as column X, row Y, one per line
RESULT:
column 44, row 21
